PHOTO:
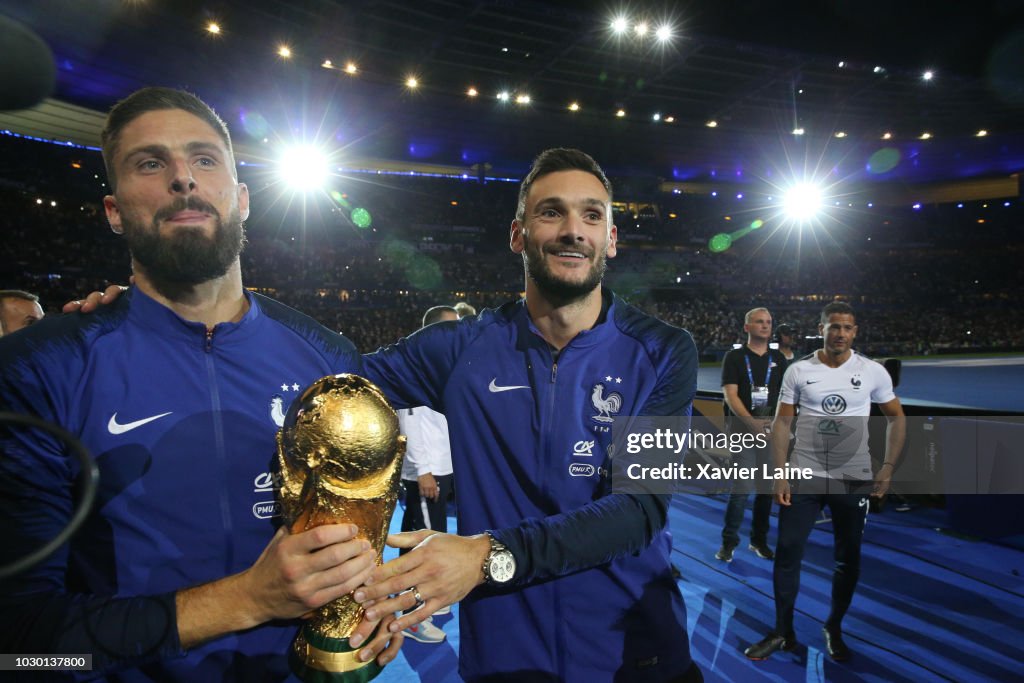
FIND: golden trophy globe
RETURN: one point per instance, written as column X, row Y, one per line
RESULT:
column 340, row 457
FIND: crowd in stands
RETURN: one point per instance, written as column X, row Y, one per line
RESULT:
column 436, row 240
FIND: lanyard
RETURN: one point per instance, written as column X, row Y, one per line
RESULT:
column 750, row 373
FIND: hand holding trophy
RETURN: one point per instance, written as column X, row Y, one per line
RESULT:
column 340, row 457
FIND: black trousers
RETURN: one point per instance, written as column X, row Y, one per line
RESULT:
column 849, row 512
column 421, row 513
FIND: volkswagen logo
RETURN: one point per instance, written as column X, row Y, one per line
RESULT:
column 833, row 404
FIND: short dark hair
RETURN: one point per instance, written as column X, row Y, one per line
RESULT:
column 837, row 308
column 18, row 294
column 436, row 313
column 555, row 160
column 786, row 329
column 155, row 99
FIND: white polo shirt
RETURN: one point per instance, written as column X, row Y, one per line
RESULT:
column 834, row 403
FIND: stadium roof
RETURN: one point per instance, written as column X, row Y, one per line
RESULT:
column 844, row 72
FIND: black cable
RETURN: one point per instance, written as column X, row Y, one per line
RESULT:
column 88, row 478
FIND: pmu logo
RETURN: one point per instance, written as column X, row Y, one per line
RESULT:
column 266, row 510
column 578, row 469
column 833, row 404
column 583, row 448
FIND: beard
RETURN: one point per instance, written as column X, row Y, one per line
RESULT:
column 186, row 258
column 559, row 290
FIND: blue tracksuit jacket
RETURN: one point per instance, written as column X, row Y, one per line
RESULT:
column 594, row 598
column 182, row 426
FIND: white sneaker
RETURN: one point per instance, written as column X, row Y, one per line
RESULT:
column 447, row 609
column 425, row 632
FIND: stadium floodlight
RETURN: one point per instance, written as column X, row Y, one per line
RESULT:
column 664, row 33
column 802, row 202
column 303, row 168
column 619, row 25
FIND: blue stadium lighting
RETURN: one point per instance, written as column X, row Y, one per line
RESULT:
column 1006, row 203
column 59, row 143
column 303, row 168
column 960, row 205
column 916, row 206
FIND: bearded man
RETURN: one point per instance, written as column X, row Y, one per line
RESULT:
column 178, row 573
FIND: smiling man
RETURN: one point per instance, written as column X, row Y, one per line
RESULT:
column 560, row 577
column 833, row 388
column 178, row 574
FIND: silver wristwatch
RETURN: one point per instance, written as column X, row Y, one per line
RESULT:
column 500, row 564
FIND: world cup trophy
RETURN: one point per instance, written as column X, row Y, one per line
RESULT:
column 340, row 457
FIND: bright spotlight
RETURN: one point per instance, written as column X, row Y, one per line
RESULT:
column 351, row 68
column 619, row 25
column 656, row 117
column 712, row 124
column 620, row 113
column 213, row 27
column 503, row 96
column 664, row 33
column 412, row 82
column 574, row 106
column 522, row 99
column 798, row 131
column 981, row 133
column 641, row 29
column 472, row 92
column 303, row 168
column 801, row 202
column 928, row 75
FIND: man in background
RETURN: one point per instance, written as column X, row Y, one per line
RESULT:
column 786, row 335
column 427, row 476
column 833, row 388
column 18, row 310
column 751, row 379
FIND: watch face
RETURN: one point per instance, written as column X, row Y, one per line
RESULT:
column 502, row 566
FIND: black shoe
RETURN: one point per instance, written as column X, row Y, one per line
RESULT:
column 835, row 646
column 771, row 643
column 762, row 550
column 725, row 553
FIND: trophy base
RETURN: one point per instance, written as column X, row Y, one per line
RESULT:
column 316, row 658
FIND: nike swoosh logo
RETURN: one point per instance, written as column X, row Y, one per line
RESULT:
column 114, row 428
column 494, row 388
column 813, row 381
